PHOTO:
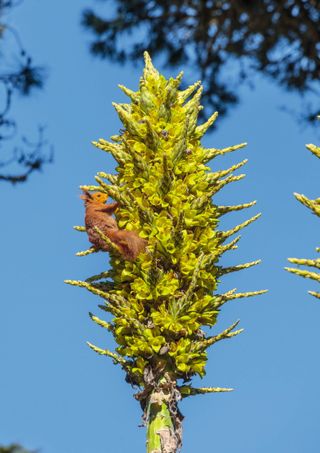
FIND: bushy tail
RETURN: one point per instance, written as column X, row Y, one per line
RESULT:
column 129, row 242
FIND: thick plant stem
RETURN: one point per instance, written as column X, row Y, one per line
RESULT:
column 159, row 421
column 162, row 435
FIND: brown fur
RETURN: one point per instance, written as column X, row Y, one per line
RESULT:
column 129, row 242
column 99, row 215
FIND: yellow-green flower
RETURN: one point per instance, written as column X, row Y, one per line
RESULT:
column 159, row 303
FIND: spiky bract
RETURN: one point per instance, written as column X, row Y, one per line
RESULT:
column 314, row 206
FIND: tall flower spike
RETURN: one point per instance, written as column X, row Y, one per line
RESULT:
column 160, row 301
column 314, row 206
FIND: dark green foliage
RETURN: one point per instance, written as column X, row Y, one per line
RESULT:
column 280, row 39
column 18, row 76
column 14, row 448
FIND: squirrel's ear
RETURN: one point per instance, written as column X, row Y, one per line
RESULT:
column 86, row 195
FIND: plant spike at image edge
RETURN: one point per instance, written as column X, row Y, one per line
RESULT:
column 160, row 301
column 314, row 205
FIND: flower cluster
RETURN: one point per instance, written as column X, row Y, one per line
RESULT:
column 161, row 301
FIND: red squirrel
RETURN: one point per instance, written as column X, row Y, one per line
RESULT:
column 98, row 214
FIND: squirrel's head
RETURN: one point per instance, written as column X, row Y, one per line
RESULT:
column 98, row 197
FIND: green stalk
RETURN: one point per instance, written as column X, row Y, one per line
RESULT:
column 159, row 420
column 162, row 433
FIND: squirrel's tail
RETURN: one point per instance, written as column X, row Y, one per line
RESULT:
column 129, row 243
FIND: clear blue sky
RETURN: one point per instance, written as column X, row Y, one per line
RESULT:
column 59, row 396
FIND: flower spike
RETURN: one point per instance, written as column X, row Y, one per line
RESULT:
column 161, row 301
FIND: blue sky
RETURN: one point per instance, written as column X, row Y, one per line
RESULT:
column 59, row 396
